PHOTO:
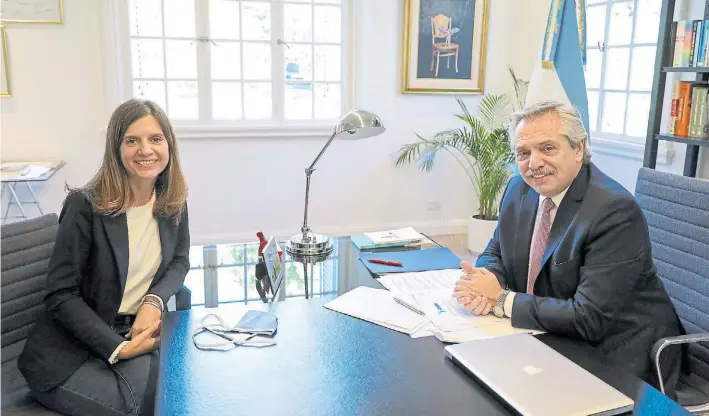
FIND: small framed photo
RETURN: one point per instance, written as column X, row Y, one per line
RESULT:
column 32, row 11
column 272, row 255
column 444, row 46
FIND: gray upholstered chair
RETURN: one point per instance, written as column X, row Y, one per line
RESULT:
column 26, row 247
column 677, row 213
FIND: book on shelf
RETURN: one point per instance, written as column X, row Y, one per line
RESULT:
column 698, row 111
column 689, row 110
column 674, row 104
column 689, row 43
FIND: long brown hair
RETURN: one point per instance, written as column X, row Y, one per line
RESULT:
column 109, row 191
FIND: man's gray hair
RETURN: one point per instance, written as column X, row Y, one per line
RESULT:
column 571, row 124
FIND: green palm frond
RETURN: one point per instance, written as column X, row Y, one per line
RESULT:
column 481, row 146
column 521, row 87
column 492, row 110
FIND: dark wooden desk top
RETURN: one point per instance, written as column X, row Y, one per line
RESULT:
column 326, row 363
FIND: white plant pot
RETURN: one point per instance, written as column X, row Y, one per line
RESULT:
column 479, row 234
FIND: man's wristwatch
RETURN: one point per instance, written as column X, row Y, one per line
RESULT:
column 499, row 308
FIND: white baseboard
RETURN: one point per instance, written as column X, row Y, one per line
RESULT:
column 440, row 227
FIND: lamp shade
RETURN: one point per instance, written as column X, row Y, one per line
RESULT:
column 358, row 124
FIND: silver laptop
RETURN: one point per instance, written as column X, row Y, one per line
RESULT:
column 536, row 380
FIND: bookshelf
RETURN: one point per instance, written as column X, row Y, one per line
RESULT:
column 658, row 99
column 683, row 69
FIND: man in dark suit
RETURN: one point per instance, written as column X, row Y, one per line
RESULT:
column 571, row 254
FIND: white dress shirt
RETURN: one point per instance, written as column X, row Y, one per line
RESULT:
column 509, row 300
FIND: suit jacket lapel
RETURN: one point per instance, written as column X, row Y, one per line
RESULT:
column 117, row 232
column 524, row 230
column 566, row 212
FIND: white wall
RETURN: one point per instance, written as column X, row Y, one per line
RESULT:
column 55, row 111
column 624, row 169
column 58, row 112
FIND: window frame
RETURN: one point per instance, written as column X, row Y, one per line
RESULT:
column 118, row 77
column 623, row 145
column 210, row 267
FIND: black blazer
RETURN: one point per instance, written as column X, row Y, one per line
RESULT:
column 598, row 282
column 85, row 282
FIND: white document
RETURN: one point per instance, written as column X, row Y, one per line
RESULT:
column 448, row 320
column 378, row 306
column 499, row 329
column 424, row 331
column 421, row 282
column 394, row 236
column 447, row 314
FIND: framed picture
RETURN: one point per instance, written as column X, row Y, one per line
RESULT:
column 272, row 255
column 444, row 46
column 32, row 11
column 4, row 66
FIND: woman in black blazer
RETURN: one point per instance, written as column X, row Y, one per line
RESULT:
column 122, row 251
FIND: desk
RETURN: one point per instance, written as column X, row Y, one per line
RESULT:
column 326, row 363
column 14, row 172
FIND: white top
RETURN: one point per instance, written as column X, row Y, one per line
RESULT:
column 509, row 300
column 144, row 255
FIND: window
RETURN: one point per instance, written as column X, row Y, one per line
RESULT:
column 621, row 41
column 238, row 62
column 227, row 274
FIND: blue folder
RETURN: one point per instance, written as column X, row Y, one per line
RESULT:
column 412, row 261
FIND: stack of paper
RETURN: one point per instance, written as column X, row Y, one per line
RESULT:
column 432, row 293
column 363, row 242
column 402, row 235
column 378, row 306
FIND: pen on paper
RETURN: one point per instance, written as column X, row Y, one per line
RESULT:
column 410, row 307
column 387, row 262
column 440, row 310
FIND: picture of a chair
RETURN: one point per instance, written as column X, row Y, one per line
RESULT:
column 442, row 28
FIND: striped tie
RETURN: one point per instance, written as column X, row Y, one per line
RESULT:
column 541, row 235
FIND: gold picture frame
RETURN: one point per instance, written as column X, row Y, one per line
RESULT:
column 33, row 11
column 444, row 46
column 5, row 90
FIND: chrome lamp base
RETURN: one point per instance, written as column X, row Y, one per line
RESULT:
column 309, row 245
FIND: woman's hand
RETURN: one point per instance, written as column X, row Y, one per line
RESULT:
column 143, row 343
column 147, row 316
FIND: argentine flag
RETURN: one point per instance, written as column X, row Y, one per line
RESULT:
column 559, row 73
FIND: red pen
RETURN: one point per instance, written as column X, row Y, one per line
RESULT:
column 262, row 242
column 387, row 262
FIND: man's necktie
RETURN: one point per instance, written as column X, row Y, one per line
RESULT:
column 541, row 235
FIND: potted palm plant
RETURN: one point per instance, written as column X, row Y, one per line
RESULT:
column 482, row 148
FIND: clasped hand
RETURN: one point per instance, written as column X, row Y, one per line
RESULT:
column 144, row 335
column 478, row 290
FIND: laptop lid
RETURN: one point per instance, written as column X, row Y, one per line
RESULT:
column 536, row 380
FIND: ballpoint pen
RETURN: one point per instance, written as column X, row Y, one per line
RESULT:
column 409, row 306
column 387, row 262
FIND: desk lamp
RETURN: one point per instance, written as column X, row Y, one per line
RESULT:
column 357, row 124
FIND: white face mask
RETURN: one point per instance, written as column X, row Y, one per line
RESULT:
column 251, row 331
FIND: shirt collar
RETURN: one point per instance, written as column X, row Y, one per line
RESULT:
column 556, row 198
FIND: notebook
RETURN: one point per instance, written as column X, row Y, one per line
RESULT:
column 401, row 235
column 535, row 380
column 363, row 242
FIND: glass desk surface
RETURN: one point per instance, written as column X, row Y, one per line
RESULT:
column 226, row 273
